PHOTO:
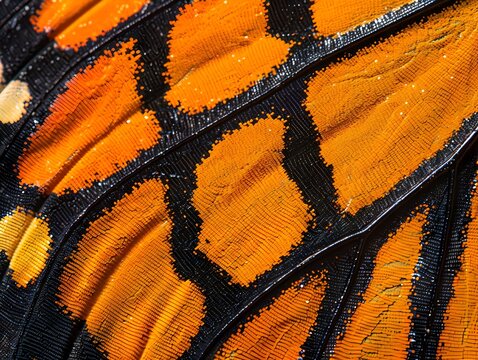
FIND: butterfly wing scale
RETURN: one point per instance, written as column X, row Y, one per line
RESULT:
column 237, row 179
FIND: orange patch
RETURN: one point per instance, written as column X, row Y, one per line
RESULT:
column 338, row 16
column 380, row 326
column 26, row 241
column 217, row 50
column 279, row 330
column 252, row 213
column 122, row 281
column 94, row 128
column 383, row 112
column 72, row 23
column 459, row 339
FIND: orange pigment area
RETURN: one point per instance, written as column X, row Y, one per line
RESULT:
column 459, row 339
column 338, row 16
column 219, row 49
column 380, row 326
column 121, row 280
column 252, row 213
column 278, row 331
column 94, row 128
column 25, row 240
column 384, row 111
column 72, row 23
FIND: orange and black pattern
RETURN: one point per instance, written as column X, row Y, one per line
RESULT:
column 238, row 179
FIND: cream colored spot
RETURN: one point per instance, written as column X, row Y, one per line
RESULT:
column 13, row 101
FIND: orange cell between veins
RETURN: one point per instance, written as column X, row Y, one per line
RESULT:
column 459, row 338
column 121, row 280
column 94, row 128
column 380, row 326
column 218, row 49
column 25, row 240
column 279, row 331
column 338, row 16
column 252, row 213
column 384, row 111
column 72, row 23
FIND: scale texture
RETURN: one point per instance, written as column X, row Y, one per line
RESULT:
column 238, row 179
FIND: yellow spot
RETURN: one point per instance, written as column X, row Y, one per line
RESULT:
column 14, row 98
column 217, row 50
column 279, row 330
column 26, row 241
column 376, row 132
column 380, row 326
column 252, row 213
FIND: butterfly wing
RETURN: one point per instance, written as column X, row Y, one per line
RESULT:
column 237, row 179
